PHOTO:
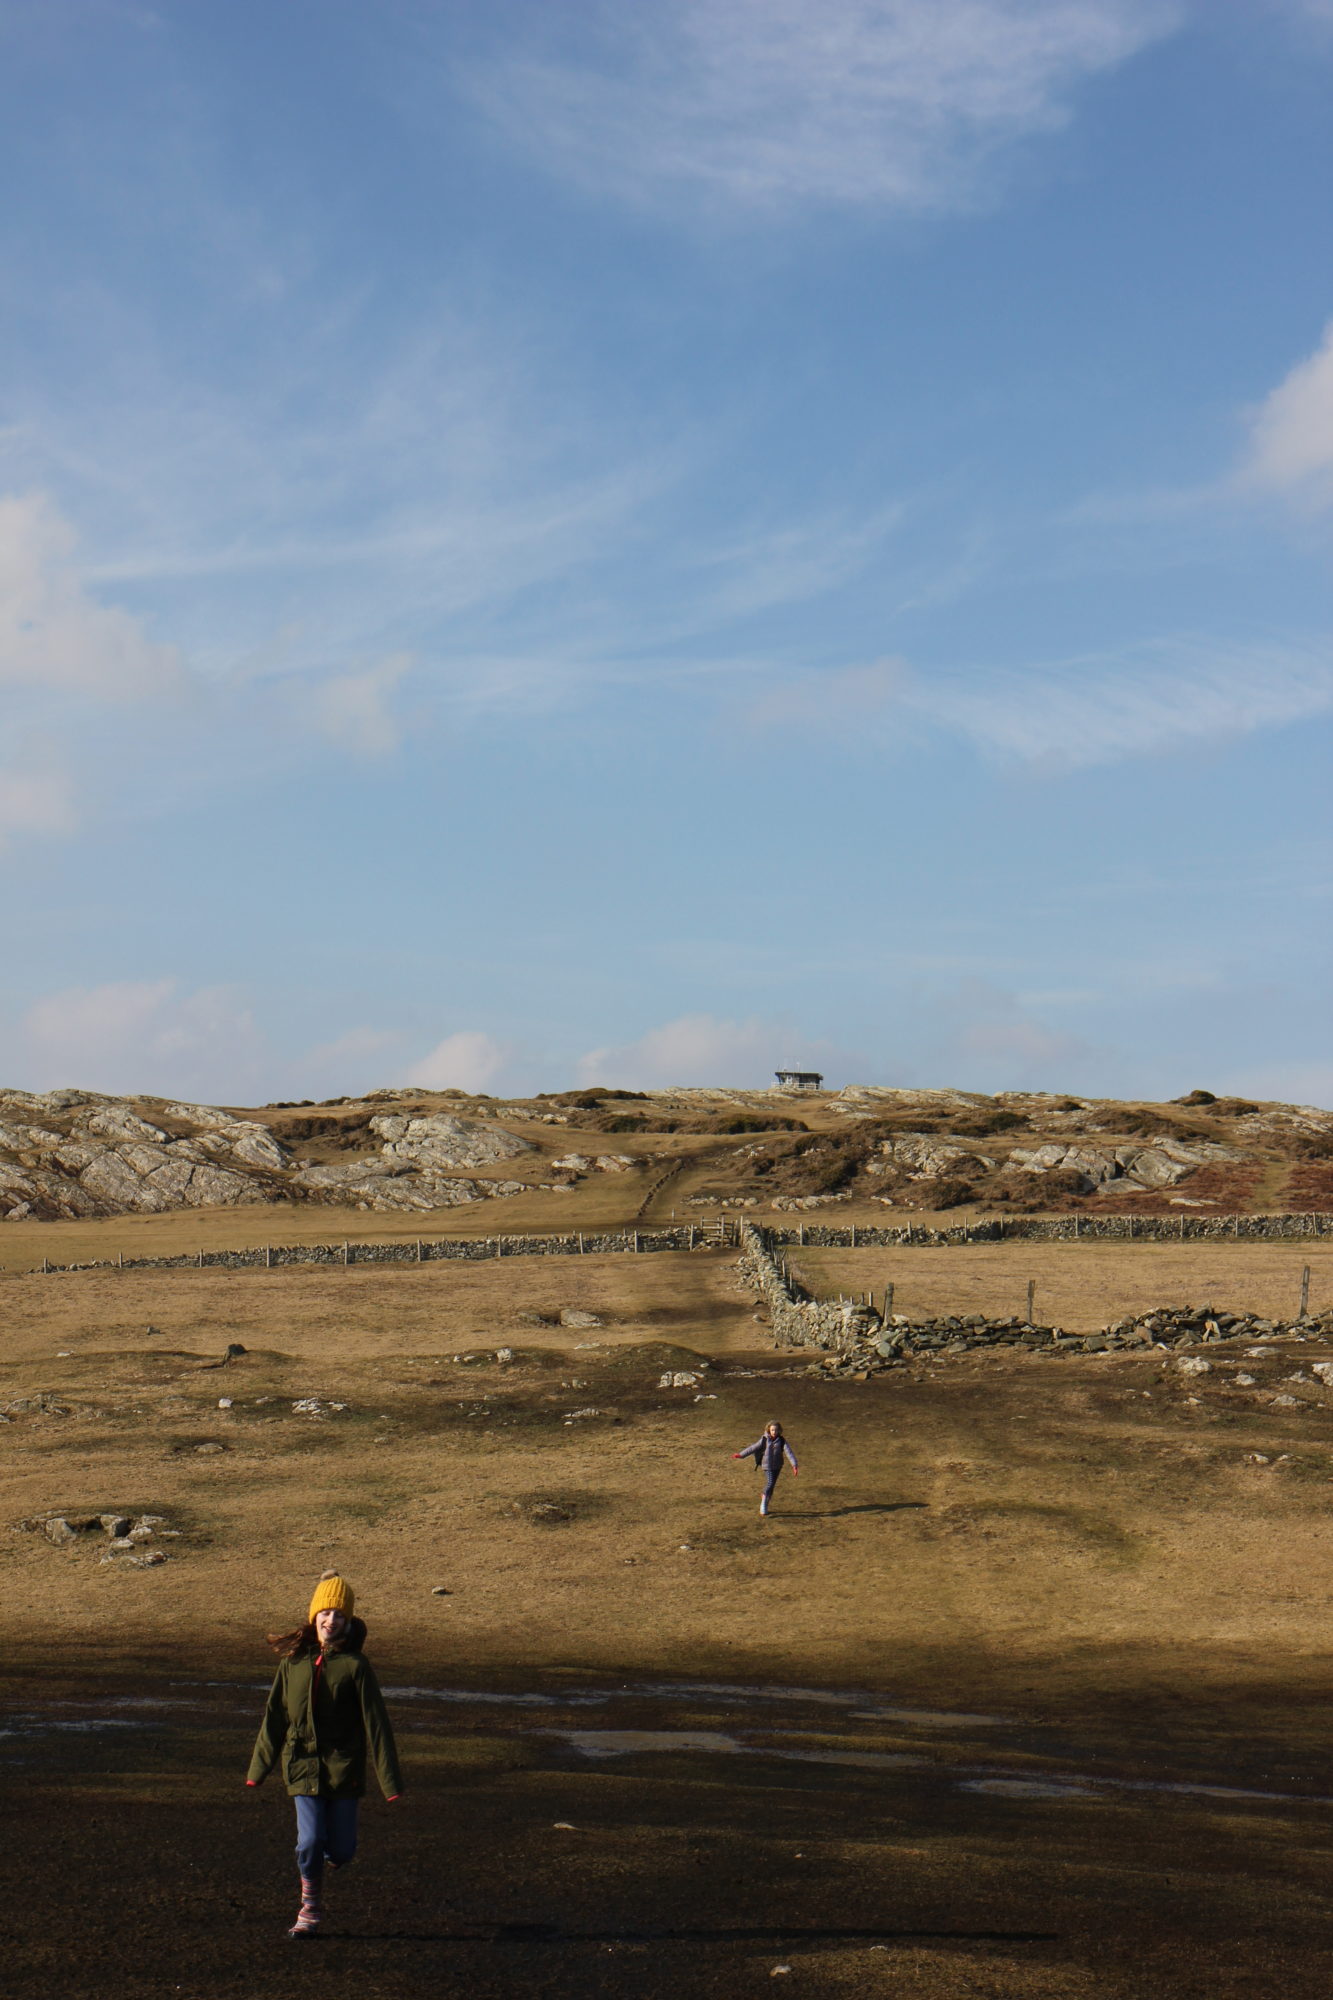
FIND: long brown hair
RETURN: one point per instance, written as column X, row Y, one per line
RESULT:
column 288, row 1644
column 305, row 1639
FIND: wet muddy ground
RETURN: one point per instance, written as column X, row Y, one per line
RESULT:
column 585, row 1835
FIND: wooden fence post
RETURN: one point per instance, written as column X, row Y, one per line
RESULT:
column 346, row 1253
column 1032, row 1293
column 1305, row 1291
column 888, row 1302
column 268, row 1256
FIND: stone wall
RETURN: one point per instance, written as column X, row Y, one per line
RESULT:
column 798, row 1320
column 1058, row 1229
column 729, row 1230
column 481, row 1249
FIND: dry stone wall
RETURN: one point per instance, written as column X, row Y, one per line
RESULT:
column 479, row 1249
column 797, row 1319
column 1058, row 1229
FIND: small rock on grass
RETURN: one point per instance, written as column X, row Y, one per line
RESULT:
column 441, row 1590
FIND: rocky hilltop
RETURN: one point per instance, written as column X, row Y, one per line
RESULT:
column 77, row 1153
column 70, row 1153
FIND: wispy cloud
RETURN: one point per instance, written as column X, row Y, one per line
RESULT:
column 1291, row 442
column 1098, row 709
column 769, row 102
column 1163, row 698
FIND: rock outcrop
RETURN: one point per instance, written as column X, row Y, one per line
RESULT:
column 70, row 1153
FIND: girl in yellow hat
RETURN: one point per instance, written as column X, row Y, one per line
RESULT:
column 325, row 1717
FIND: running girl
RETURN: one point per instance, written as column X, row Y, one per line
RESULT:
column 325, row 1712
column 768, row 1453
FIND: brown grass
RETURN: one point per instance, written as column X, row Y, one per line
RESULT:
column 1080, row 1286
column 1084, row 1545
column 414, row 1485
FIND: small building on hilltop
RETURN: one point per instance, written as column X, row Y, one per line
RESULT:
column 799, row 1079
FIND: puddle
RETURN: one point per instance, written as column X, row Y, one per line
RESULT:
column 868, row 1760
column 930, row 1718
column 468, row 1695
column 848, row 1740
column 628, row 1742
column 1211, row 1791
column 740, row 1691
column 46, row 1725
column 1025, row 1788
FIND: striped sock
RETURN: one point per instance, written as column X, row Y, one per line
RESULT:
column 311, row 1913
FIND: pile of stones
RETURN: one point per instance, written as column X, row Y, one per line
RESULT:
column 1189, row 1326
column 900, row 1339
column 870, row 1351
column 129, row 1540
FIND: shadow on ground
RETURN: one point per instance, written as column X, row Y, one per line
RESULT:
column 663, row 1839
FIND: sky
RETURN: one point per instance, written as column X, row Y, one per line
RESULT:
column 590, row 544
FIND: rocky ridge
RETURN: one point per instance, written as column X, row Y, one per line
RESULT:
column 67, row 1153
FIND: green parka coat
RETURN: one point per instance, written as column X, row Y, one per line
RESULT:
column 323, row 1731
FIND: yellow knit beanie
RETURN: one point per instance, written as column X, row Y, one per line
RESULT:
column 332, row 1593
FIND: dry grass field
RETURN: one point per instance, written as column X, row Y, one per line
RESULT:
column 1020, row 1692
column 1081, row 1287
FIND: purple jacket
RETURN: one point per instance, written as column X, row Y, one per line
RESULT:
column 767, row 1453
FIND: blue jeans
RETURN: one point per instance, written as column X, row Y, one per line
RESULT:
column 325, row 1830
column 770, row 1481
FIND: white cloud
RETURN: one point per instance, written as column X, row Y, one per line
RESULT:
column 353, row 709
column 1292, row 433
column 35, row 801
column 468, row 1060
column 769, row 101
column 1096, row 710
column 53, row 634
column 701, row 1049
column 142, row 1035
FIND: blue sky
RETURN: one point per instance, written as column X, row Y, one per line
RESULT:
column 590, row 543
